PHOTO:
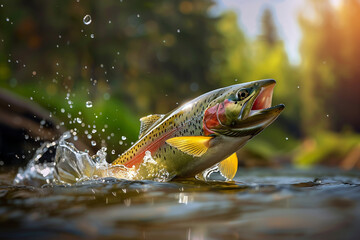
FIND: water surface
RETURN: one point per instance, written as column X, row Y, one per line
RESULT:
column 258, row 204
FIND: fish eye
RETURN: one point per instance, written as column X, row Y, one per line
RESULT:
column 242, row 94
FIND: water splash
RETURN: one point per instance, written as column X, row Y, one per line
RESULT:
column 36, row 172
column 205, row 175
column 150, row 169
column 72, row 165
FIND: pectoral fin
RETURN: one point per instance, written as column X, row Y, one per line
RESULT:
column 192, row 145
column 228, row 167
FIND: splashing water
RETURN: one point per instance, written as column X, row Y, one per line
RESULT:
column 35, row 171
column 72, row 165
column 205, row 175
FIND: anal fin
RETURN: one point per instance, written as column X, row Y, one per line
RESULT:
column 229, row 166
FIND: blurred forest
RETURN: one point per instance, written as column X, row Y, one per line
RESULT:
column 140, row 57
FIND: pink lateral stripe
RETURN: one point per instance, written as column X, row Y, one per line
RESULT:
column 152, row 147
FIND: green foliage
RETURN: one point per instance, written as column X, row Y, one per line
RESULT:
column 326, row 147
column 330, row 50
column 147, row 57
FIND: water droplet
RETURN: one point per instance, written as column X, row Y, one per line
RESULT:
column 109, row 21
column 7, row 19
column 327, row 115
column 123, row 138
column 78, row 120
column 26, row 136
column 89, row 104
column 298, row 86
column 62, row 110
column 92, row 35
column 138, row 15
column 178, row 30
column 121, row 142
column 87, row 19
column 93, row 131
column 89, row 136
column 286, row 138
column 31, row 98
column 93, row 143
column 113, row 151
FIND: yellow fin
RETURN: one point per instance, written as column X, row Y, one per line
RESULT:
column 147, row 122
column 192, row 145
column 229, row 166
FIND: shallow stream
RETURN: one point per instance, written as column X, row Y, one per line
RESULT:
column 259, row 204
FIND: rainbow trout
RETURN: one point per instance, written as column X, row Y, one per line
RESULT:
column 199, row 134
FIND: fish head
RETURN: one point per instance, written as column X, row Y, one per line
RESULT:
column 242, row 110
column 234, row 115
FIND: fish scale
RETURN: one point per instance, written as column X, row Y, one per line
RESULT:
column 183, row 121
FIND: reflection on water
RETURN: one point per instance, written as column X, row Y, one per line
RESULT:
column 263, row 203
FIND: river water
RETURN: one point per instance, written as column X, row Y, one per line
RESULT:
column 319, row 203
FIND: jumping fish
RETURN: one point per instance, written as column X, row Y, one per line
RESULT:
column 205, row 131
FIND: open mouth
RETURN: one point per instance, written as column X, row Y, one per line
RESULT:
column 264, row 99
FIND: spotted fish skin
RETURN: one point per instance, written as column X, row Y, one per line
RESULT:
column 228, row 124
column 186, row 120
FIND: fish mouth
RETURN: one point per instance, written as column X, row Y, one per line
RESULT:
column 255, row 115
column 262, row 102
column 258, row 112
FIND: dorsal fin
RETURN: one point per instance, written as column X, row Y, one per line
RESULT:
column 148, row 121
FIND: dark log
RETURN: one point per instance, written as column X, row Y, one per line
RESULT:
column 24, row 126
